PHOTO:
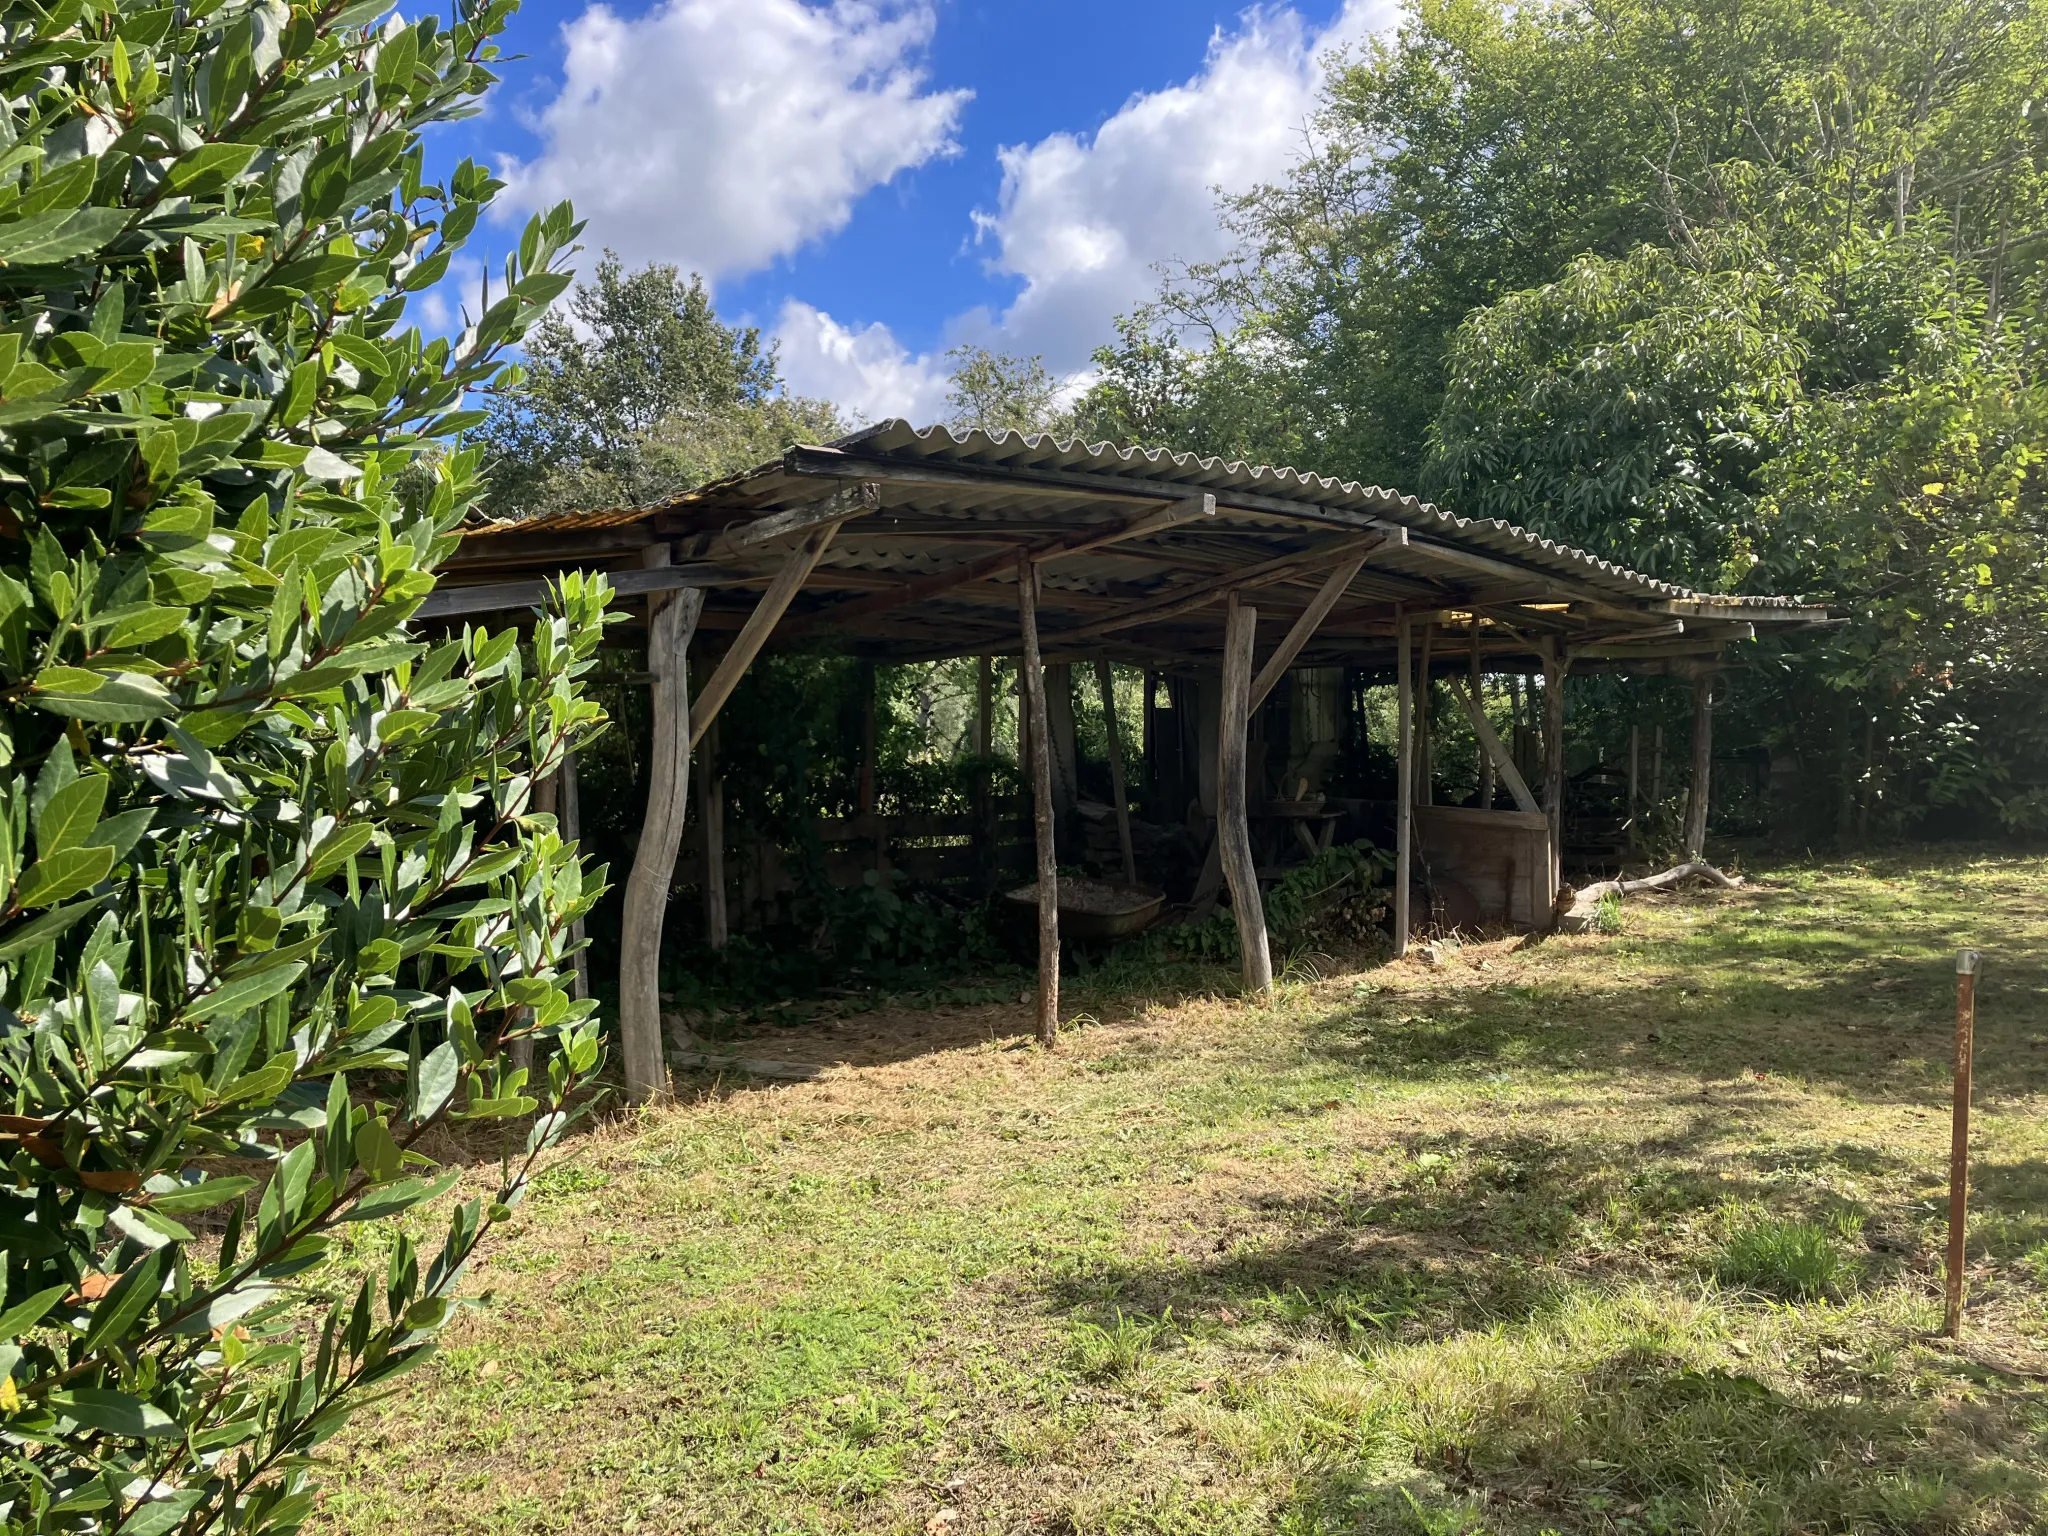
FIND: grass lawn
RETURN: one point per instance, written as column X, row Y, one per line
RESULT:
column 1634, row 1233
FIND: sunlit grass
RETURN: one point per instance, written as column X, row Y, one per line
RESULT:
column 1636, row 1233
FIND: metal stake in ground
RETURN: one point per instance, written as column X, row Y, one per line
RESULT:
column 1967, row 962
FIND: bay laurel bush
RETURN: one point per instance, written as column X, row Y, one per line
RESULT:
column 274, row 904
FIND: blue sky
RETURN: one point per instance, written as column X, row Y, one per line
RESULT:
column 873, row 181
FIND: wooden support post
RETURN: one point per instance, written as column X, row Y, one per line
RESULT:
column 1486, row 757
column 984, row 707
column 1061, row 737
column 1635, row 768
column 789, row 581
column 570, row 818
column 1233, row 823
column 1404, row 780
column 661, row 835
column 1425, row 696
column 1702, row 764
column 1968, row 962
column 711, row 828
column 1032, row 683
column 1554, row 666
column 984, row 751
column 1657, row 766
column 1148, row 747
column 1105, row 685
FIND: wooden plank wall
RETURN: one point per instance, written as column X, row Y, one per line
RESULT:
column 1501, row 857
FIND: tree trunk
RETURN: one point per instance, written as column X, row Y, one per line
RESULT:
column 1404, row 783
column 1485, row 797
column 1033, row 683
column 1106, row 685
column 1233, row 825
column 1702, row 765
column 1554, row 668
column 661, row 835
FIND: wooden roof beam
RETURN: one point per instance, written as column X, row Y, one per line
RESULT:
column 1182, row 509
column 1199, row 594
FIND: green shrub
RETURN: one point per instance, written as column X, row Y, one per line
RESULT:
column 274, row 898
column 1795, row 1260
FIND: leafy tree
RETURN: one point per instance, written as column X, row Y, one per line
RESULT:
column 638, row 392
column 999, row 392
column 1719, row 289
column 274, row 897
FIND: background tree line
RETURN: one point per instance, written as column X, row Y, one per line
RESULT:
column 1745, row 295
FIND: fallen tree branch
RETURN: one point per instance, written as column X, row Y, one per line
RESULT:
column 1575, row 909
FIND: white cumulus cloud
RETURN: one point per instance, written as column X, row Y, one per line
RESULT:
column 722, row 134
column 867, row 371
column 1083, row 222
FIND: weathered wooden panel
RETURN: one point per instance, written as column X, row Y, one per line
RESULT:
column 1501, row 857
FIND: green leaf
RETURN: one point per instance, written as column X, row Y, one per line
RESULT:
column 337, row 848
column 18, row 1319
column 435, row 1082
column 132, row 1295
column 124, row 698
column 377, row 1154
column 145, row 628
column 244, row 993
column 209, row 168
column 391, row 1199
column 41, row 930
column 71, row 814
column 116, row 1413
column 121, row 833
column 187, row 1198
column 53, row 237
column 162, row 1516
column 63, row 875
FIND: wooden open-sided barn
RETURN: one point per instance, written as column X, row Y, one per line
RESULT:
column 899, row 544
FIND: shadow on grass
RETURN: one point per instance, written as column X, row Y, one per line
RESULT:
column 1507, row 1379
column 1632, row 1438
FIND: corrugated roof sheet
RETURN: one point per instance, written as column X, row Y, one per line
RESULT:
column 1006, row 452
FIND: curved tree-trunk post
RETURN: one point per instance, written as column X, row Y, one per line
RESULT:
column 1702, row 763
column 1233, row 821
column 1031, row 682
column 1105, row 685
column 661, row 836
column 1404, row 779
column 711, row 830
column 1479, row 704
column 1555, row 664
column 570, row 817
